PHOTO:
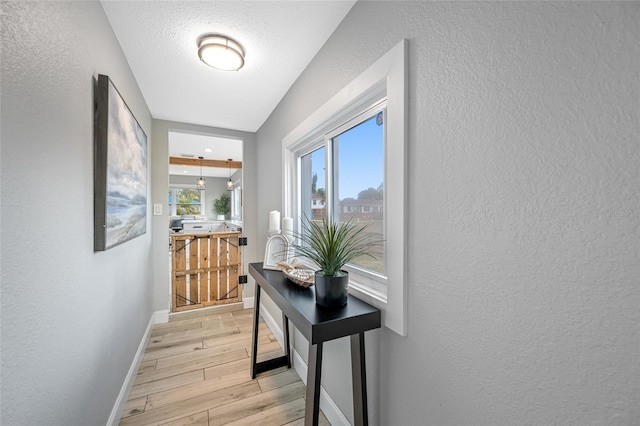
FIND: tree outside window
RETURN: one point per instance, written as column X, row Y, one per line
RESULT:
column 188, row 201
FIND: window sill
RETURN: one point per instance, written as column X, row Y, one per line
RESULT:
column 371, row 296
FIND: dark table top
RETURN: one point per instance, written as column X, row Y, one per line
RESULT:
column 316, row 323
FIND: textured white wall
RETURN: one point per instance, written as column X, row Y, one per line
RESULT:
column 523, row 215
column 72, row 319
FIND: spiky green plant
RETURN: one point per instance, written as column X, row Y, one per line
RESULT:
column 332, row 244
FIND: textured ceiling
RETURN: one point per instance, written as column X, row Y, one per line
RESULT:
column 159, row 39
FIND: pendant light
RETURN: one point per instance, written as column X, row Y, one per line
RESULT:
column 229, row 182
column 200, row 183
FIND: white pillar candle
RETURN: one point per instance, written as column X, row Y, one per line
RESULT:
column 274, row 220
column 287, row 228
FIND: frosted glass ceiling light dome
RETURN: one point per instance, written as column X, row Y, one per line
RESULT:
column 221, row 52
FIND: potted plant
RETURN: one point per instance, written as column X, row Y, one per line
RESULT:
column 222, row 205
column 331, row 245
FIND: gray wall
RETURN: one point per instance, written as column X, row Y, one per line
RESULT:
column 160, row 184
column 72, row 319
column 523, row 210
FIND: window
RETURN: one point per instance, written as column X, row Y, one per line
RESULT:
column 356, row 181
column 236, row 202
column 189, row 201
column 312, row 184
column 347, row 161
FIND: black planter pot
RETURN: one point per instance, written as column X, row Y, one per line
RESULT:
column 331, row 292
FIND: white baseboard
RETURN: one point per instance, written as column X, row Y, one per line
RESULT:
column 157, row 317
column 328, row 407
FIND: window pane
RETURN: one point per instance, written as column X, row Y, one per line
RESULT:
column 312, row 185
column 359, row 177
column 187, row 201
column 236, row 204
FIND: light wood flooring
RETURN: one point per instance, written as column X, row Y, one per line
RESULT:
column 195, row 371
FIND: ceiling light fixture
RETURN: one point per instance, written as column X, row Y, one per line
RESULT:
column 221, row 52
column 229, row 182
column 200, row 183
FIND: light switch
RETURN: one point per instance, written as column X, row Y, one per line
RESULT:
column 157, row 209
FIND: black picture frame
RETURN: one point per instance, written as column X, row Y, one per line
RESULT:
column 120, row 170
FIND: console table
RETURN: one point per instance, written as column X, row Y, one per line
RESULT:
column 317, row 325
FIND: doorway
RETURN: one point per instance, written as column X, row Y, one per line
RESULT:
column 205, row 205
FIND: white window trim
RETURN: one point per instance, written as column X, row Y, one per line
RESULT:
column 388, row 74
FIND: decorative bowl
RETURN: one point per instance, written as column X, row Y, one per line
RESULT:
column 301, row 277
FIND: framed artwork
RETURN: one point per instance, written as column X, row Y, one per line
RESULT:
column 277, row 251
column 120, row 170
